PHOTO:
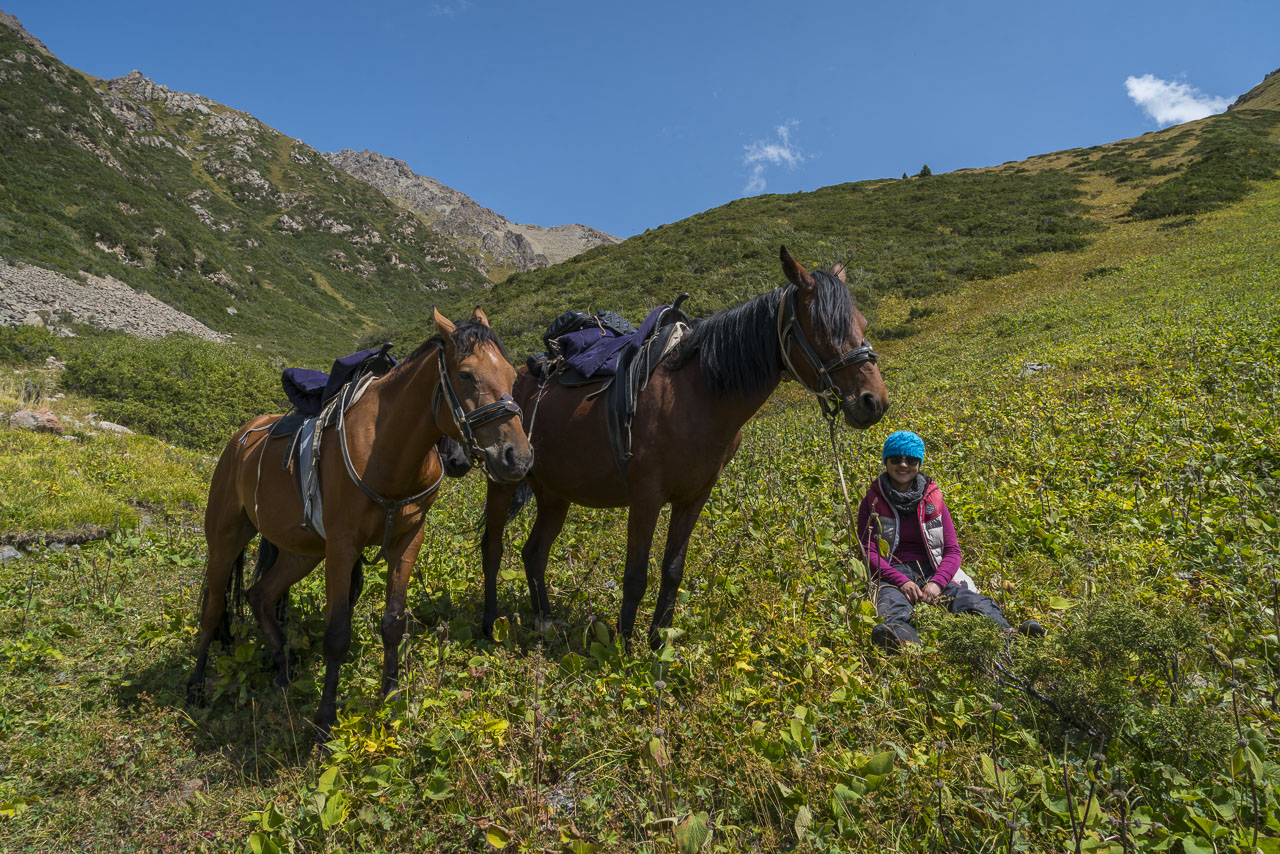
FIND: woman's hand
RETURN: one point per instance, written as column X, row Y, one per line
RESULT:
column 913, row 592
column 931, row 592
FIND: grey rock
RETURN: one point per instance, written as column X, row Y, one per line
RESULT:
column 35, row 296
column 111, row 427
column 8, row 553
column 41, row 420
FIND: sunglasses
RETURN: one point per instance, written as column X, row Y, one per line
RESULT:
column 899, row 459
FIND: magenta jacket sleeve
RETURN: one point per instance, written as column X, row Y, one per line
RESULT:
column 869, row 537
column 951, row 556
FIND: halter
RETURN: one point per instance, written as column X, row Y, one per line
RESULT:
column 469, row 422
column 790, row 332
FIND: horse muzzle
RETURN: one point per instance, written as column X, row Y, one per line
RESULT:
column 507, row 463
column 863, row 410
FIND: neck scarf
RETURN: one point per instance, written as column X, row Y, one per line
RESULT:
column 904, row 501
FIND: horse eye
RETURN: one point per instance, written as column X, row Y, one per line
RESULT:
column 467, row 376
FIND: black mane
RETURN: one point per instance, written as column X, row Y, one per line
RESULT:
column 738, row 347
column 467, row 335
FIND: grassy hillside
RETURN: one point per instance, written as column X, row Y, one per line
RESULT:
column 910, row 243
column 1125, row 497
column 208, row 210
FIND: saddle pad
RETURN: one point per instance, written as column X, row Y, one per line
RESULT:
column 595, row 352
column 309, row 476
column 633, row 378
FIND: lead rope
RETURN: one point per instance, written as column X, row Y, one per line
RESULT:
column 848, row 512
column 537, row 401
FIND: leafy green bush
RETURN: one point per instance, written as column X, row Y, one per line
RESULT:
column 21, row 345
column 1112, row 670
column 186, row 390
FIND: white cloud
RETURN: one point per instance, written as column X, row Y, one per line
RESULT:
column 1172, row 103
column 450, row 9
column 764, row 153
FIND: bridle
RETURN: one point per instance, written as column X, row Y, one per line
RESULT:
column 790, row 332
column 469, row 422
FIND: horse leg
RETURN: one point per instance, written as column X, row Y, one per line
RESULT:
column 546, row 527
column 400, row 560
column 338, row 560
column 683, row 518
column 227, row 539
column 497, row 500
column 635, row 577
column 287, row 569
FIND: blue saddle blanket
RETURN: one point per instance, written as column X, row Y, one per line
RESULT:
column 594, row 351
column 310, row 390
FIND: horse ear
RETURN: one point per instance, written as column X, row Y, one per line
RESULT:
column 444, row 325
column 480, row 316
column 838, row 272
column 796, row 274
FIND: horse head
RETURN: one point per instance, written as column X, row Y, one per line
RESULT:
column 476, row 379
column 823, row 338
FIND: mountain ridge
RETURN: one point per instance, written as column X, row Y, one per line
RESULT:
column 494, row 244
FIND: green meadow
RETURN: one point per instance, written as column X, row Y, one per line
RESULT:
column 1105, row 429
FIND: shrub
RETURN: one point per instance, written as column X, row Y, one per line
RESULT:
column 22, row 345
column 188, row 391
column 1232, row 154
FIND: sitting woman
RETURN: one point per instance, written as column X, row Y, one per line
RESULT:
column 912, row 550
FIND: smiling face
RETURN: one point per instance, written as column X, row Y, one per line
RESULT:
column 902, row 471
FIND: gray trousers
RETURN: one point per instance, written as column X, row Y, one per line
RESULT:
column 895, row 611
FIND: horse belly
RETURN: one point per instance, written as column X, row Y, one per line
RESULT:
column 270, row 497
column 572, row 456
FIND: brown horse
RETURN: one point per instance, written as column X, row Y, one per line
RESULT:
column 685, row 430
column 378, row 476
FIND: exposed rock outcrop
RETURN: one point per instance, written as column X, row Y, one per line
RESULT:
column 492, row 241
column 14, row 24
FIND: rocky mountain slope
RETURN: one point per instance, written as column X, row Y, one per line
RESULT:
column 492, row 243
column 221, row 217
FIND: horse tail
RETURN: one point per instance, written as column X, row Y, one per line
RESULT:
column 234, row 599
column 519, row 499
column 268, row 552
column 522, row 496
column 357, row 581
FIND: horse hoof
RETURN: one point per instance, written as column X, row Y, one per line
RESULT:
column 542, row 625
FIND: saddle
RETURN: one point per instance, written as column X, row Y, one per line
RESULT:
column 584, row 349
column 319, row 399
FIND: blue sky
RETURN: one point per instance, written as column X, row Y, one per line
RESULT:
column 625, row 116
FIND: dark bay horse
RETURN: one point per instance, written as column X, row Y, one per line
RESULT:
column 378, row 477
column 686, row 429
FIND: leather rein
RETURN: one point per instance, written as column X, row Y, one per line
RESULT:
column 790, row 332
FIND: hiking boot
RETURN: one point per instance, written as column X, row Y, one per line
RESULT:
column 1031, row 629
column 885, row 638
